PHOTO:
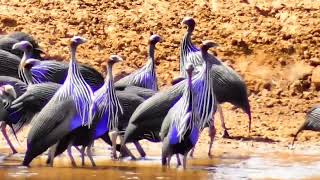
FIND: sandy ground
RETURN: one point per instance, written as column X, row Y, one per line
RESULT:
column 274, row 45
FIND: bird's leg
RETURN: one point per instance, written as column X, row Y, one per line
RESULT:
column 49, row 157
column 164, row 160
column 77, row 148
column 70, row 155
column 140, row 149
column 82, row 154
column 92, row 147
column 89, row 153
column 225, row 132
column 212, row 134
column 191, row 152
column 5, row 135
column 52, row 152
column 125, row 151
column 169, row 159
column 114, row 135
column 184, row 161
column 178, row 160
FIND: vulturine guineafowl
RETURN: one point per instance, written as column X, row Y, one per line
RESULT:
column 180, row 129
column 227, row 84
column 146, row 76
column 146, row 121
column 50, row 70
column 67, row 110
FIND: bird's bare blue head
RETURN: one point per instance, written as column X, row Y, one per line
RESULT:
column 189, row 69
column 31, row 62
column 24, row 46
column 154, row 39
column 77, row 40
column 189, row 22
column 114, row 59
column 9, row 90
column 207, row 45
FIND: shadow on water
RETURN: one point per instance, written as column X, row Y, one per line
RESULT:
column 224, row 166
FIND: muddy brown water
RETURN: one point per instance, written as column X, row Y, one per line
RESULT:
column 224, row 165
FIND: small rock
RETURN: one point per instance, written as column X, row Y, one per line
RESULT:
column 270, row 104
column 315, row 61
column 315, row 78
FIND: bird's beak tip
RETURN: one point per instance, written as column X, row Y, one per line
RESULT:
column 15, row 46
column 39, row 50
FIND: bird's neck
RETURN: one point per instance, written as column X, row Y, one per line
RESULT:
column 28, row 75
column 190, row 30
column 186, row 45
column 190, row 100
column 151, row 53
column 206, row 67
column 73, row 61
column 73, row 50
column 26, row 55
column 187, row 38
column 109, row 78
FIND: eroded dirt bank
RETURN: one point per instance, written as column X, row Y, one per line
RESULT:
column 274, row 45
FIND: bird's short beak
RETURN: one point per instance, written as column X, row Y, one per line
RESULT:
column 120, row 59
column 39, row 50
column 16, row 105
column 16, row 46
column 215, row 45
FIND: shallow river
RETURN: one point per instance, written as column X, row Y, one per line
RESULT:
column 223, row 166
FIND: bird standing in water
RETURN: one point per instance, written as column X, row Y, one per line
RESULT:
column 146, row 121
column 66, row 111
column 180, row 129
column 106, row 107
column 227, row 84
column 7, row 95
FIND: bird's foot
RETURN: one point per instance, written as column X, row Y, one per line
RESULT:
column 14, row 151
column 291, row 147
column 225, row 134
column 143, row 158
column 114, row 156
column 93, row 164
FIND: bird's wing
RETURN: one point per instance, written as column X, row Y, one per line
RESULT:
column 129, row 102
column 52, row 116
column 140, row 91
column 49, row 71
column 313, row 119
column 166, row 126
column 157, row 106
column 9, row 64
column 227, row 84
column 91, row 76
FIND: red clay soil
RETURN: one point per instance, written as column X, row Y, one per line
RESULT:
column 274, row 45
